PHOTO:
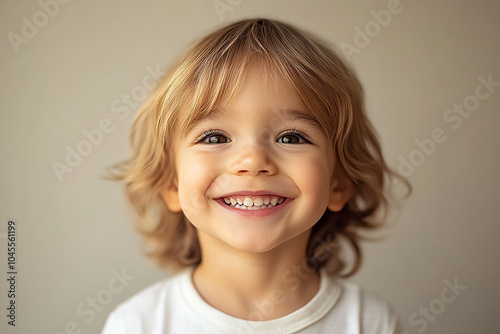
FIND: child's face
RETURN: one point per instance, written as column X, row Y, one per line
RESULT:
column 256, row 150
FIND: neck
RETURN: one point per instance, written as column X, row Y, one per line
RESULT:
column 255, row 286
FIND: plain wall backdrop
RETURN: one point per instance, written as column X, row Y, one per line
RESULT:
column 431, row 73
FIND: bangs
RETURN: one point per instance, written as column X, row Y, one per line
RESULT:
column 215, row 69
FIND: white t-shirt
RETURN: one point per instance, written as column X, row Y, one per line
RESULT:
column 174, row 306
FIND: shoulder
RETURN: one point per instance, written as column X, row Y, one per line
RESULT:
column 359, row 310
column 144, row 300
column 376, row 314
column 139, row 313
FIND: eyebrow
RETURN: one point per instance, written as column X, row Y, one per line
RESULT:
column 213, row 114
column 300, row 115
column 284, row 113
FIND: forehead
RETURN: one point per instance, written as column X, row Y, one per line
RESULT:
column 259, row 89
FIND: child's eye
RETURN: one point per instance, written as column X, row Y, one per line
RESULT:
column 293, row 137
column 212, row 137
column 216, row 139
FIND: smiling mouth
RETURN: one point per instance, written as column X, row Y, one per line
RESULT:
column 253, row 202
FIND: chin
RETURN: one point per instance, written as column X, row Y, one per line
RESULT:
column 255, row 244
column 253, row 248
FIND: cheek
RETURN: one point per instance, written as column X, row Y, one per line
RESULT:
column 191, row 181
column 196, row 173
column 314, row 178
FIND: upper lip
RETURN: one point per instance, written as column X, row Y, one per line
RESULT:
column 251, row 193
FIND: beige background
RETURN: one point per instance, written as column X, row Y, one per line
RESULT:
column 75, row 235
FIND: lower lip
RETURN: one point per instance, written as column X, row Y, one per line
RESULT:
column 254, row 213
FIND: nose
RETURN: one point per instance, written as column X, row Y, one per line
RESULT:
column 252, row 160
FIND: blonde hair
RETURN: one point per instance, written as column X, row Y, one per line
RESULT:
column 212, row 70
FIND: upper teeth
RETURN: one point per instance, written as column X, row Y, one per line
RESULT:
column 246, row 202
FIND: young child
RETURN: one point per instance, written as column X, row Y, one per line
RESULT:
column 257, row 154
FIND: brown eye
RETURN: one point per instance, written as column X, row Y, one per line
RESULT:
column 215, row 139
column 289, row 139
column 292, row 138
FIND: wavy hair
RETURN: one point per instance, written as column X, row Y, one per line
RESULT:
column 207, row 73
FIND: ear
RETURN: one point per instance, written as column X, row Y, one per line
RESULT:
column 171, row 197
column 342, row 191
